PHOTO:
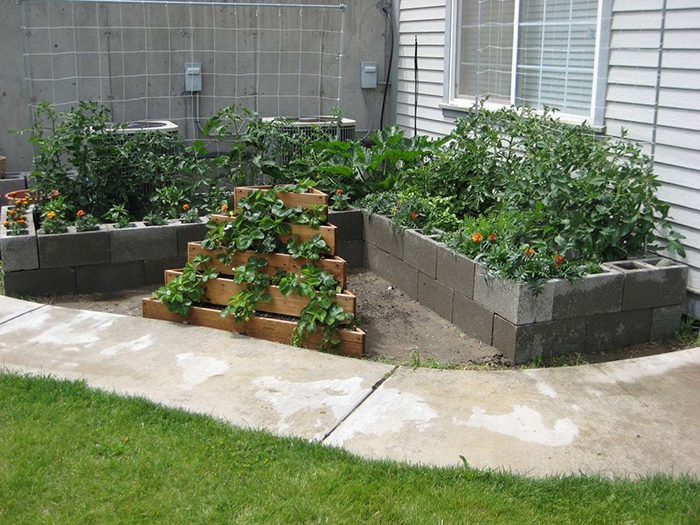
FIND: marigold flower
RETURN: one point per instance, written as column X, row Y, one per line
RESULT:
column 18, row 202
column 22, row 217
column 185, row 207
column 51, row 215
column 339, row 191
column 224, row 207
column 559, row 258
column 477, row 237
column 530, row 251
column 492, row 237
column 22, row 221
column 80, row 213
column 25, row 202
column 10, row 212
column 6, row 224
column 414, row 215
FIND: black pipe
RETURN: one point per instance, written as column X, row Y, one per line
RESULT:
column 415, row 87
column 387, row 13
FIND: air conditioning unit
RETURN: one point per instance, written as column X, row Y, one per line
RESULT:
column 147, row 126
column 308, row 126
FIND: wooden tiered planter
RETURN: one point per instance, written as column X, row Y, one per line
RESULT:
column 265, row 325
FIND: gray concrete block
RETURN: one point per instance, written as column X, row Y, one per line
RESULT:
column 381, row 232
column 472, row 318
column 109, row 277
column 651, row 282
column 194, row 232
column 19, row 252
column 73, row 248
column 455, row 270
column 420, row 251
column 394, row 270
column 350, row 224
column 665, row 321
column 41, row 282
column 514, row 301
column 520, row 343
column 143, row 242
column 615, row 330
column 594, row 294
column 154, row 269
column 353, row 253
column 435, row 296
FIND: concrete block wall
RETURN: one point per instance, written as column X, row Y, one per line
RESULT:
column 630, row 302
column 105, row 260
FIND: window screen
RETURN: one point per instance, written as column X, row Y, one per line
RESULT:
column 556, row 52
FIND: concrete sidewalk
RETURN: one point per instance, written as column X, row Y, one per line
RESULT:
column 639, row 416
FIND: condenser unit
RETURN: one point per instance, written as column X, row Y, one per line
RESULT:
column 309, row 126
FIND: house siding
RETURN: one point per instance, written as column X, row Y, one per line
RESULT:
column 630, row 94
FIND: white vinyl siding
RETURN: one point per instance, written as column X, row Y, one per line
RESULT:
column 629, row 100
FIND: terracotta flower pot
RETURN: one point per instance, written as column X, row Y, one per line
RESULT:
column 19, row 194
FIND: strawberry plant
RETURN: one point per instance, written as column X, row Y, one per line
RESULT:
column 188, row 288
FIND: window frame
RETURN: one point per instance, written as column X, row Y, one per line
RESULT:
column 452, row 104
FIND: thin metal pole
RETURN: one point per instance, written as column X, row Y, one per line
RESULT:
column 185, row 2
column 342, row 54
column 657, row 86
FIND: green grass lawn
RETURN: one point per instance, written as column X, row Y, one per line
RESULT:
column 69, row 454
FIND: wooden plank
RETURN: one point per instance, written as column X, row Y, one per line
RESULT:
column 291, row 199
column 282, row 261
column 329, row 232
column 221, row 289
column 352, row 342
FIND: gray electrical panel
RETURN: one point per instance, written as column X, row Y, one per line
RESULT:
column 193, row 77
column 369, row 75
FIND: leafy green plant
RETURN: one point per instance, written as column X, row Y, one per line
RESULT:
column 188, row 288
column 312, row 249
column 16, row 221
column 119, row 216
column 155, row 219
column 339, row 201
column 86, row 222
column 243, row 305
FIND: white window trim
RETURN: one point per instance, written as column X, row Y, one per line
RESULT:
column 452, row 104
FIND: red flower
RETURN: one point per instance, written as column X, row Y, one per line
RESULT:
column 414, row 215
column 339, row 191
column 492, row 237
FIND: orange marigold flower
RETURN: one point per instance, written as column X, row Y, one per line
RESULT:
column 339, row 191
column 10, row 212
column 25, row 202
column 18, row 201
column 185, row 207
column 530, row 251
column 80, row 213
column 492, row 237
column 6, row 224
column 559, row 258
column 51, row 215
column 477, row 237
column 22, row 217
column 22, row 221
column 224, row 207
column 414, row 215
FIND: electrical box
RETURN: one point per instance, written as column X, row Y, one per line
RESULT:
column 368, row 79
column 193, row 77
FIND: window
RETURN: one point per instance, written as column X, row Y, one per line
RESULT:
column 553, row 63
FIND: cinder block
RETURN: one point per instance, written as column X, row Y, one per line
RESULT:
column 19, row 252
column 142, row 242
column 194, row 232
column 349, row 223
column 455, row 271
column 651, row 282
column 615, row 330
column 381, row 232
column 420, row 251
column 41, row 282
column 155, row 268
column 514, row 301
column 393, row 270
column 665, row 321
column 73, row 248
column 435, row 296
column 522, row 343
column 353, row 253
column 110, row 277
column 472, row 318
column 594, row 294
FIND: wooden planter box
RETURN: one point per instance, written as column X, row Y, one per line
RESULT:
column 221, row 289
column 336, row 265
column 329, row 233
column 312, row 197
column 352, row 342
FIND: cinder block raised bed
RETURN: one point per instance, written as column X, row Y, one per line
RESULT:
column 106, row 260
column 630, row 302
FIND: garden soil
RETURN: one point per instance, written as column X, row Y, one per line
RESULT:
column 399, row 330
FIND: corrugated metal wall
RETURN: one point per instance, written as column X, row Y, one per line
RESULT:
column 630, row 101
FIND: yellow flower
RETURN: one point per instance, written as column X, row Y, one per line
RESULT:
column 51, row 215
